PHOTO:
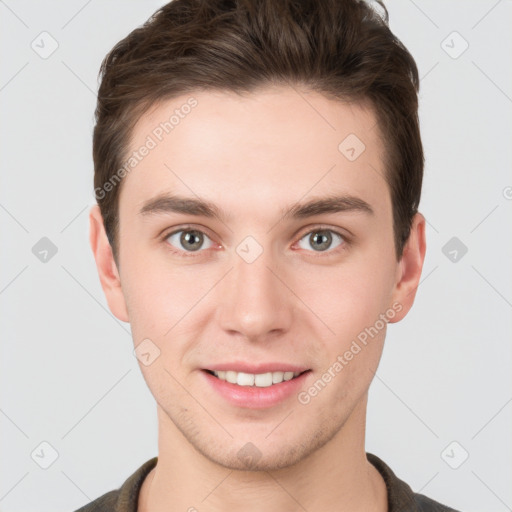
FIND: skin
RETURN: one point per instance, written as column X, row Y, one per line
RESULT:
column 253, row 155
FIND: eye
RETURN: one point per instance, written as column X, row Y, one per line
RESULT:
column 188, row 240
column 321, row 239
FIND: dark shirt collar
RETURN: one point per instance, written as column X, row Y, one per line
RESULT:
column 401, row 498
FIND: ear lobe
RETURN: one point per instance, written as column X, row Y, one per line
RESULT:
column 107, row 269
column 410, row 267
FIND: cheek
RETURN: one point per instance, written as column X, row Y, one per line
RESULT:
column 148, row 284
column 349, row 298
column 163, row 298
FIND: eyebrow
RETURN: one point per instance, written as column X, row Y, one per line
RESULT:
column 165, row 203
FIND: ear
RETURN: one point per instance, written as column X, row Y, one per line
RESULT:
column 409, row 268
column 106, row 265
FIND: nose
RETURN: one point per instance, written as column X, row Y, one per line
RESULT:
column 255, row 301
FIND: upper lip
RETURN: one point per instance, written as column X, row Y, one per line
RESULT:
column 257, row 369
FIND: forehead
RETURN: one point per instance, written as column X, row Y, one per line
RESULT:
column 274, row 145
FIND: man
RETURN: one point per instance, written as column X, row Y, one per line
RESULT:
column 258, row 169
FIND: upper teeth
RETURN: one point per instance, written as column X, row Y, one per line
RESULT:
column 261, row 380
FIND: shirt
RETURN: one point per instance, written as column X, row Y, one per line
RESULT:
column 401, row 498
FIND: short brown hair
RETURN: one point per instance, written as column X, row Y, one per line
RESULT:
column 343, row 49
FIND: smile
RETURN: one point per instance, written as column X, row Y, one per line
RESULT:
column 255, row 390
column 261, row 380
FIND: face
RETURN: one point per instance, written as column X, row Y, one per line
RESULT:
column 258, row 283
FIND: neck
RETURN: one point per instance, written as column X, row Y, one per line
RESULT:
column 337, row 476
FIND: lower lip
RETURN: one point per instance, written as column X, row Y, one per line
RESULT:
column 254, row 397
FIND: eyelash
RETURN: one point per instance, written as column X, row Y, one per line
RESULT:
column 345, row 241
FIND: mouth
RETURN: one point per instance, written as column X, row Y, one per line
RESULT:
column 260, row 386
column 256, row 380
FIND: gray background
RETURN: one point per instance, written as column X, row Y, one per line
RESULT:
column 69, row 377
